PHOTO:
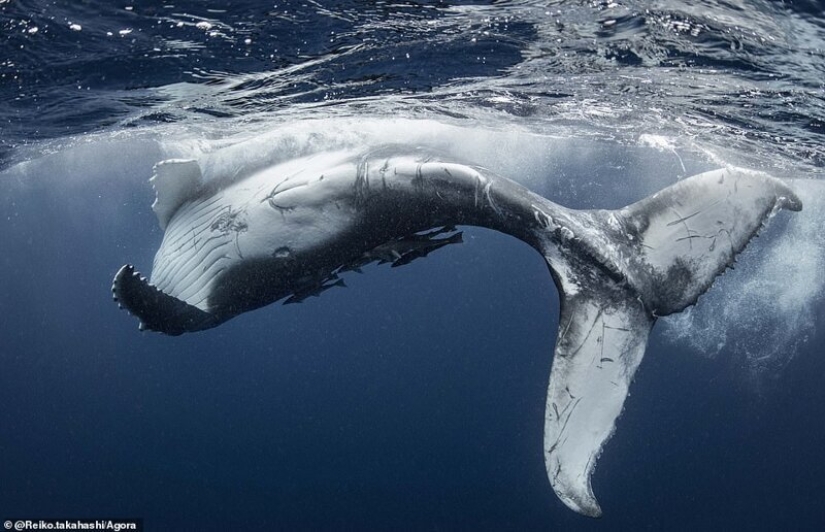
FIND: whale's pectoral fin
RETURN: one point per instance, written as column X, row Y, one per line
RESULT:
column 156, row 310
column 601, row 341
column 175, row 181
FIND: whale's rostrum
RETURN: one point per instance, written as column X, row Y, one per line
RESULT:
column 292, row 230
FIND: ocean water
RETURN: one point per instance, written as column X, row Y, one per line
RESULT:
column 414, row 398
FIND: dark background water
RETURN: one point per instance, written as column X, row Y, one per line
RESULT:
column 414, row 399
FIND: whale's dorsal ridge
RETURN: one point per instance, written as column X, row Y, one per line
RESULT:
column 175, row 181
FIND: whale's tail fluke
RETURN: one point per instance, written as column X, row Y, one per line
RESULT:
column 616, row 272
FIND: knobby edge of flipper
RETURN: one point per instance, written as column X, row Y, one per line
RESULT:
column 156, row 310
column 616, row 272
column 175, row 181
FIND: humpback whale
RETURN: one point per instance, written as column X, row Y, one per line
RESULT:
column 292, row 230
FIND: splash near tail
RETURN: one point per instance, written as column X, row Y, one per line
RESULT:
column 616, row 272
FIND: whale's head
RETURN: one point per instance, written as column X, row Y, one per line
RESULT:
column 233, row 245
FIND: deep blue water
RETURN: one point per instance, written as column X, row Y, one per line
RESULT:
column 414, row 398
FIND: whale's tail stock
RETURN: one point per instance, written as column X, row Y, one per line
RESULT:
column 616, row 272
